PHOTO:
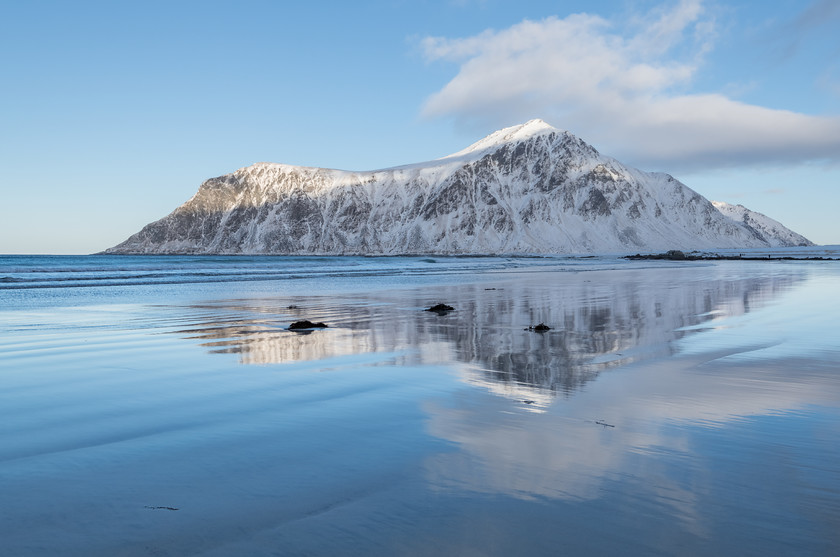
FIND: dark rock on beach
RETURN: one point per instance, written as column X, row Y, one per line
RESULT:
column 677, row 255
column 298, row 325
column 670, row 255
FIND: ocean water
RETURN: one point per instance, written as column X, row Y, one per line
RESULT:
column 161, row 406
column 39, row 280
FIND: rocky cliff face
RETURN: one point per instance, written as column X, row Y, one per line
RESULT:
column 526, row 189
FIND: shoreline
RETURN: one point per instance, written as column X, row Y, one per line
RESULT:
column 678, row 255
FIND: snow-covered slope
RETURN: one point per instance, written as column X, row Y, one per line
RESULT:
column 762, row 226
column 526, row 189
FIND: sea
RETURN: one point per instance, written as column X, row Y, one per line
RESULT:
column 161, row 405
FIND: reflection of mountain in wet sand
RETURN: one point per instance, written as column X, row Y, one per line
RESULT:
column 599, row 319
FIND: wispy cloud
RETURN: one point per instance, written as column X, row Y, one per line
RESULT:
column 817, row 14
column 815, row 22
column 624, row 87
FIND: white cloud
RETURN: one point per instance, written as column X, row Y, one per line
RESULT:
column 623, row 88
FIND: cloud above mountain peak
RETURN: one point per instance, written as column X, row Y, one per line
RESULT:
column 625, row 87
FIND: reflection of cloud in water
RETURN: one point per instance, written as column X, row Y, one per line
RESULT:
column 565, row 454
column 600, row 319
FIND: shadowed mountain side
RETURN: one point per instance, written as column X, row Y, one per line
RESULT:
column 527, row 189
column 599, row 320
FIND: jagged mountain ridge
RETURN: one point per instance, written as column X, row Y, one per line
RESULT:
column 760, row 224
column 526, row 189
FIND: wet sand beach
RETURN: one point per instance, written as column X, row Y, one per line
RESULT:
column 671, row 409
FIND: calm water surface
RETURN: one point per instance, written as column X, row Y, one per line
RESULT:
column 160, row 406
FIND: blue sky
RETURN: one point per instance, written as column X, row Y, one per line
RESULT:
column 114, row 113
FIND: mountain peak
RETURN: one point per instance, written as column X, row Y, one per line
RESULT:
column 537, row 124
column 520, row 132
column 521, row 190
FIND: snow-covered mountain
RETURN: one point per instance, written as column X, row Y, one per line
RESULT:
column 525, row 189
column 762, row 226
